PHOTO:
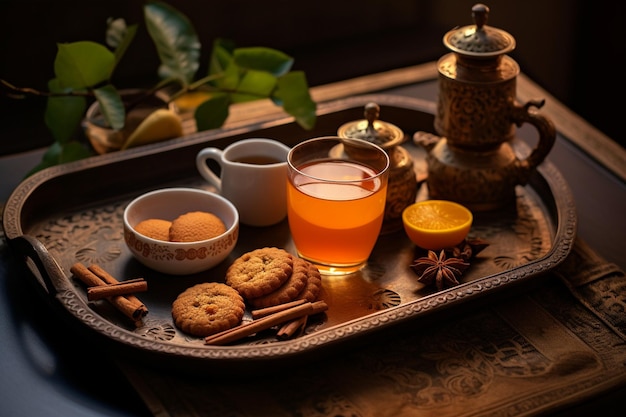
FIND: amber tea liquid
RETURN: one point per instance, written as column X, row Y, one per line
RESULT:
column 335, row 219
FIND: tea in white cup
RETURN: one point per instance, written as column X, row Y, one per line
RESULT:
column 252, row 176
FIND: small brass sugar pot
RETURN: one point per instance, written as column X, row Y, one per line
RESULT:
column 402, row 184
column 472, row 161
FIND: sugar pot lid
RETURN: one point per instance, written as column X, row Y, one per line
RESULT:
column 371, row 129
column 479, row 40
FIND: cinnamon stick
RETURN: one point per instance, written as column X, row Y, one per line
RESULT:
column 110, row 279
column 265, row 323
column 262, row 312
column 291, row 327
column 127, row 307
column 121, row 288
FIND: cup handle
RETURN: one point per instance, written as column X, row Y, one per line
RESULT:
column 547, row 136
column 201, row 158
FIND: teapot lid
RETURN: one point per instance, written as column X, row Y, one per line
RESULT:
column 479, row 40
column 371, row 129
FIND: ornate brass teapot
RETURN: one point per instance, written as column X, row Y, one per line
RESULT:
column 472, row 161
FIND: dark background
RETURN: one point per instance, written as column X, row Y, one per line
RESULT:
column 571, row 48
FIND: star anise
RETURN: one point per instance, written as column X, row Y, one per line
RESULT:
column 467, row 249
column 439, row 270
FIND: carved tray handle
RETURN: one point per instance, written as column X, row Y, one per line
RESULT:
column 49, row 271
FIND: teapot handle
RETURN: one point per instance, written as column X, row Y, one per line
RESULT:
column 547, row 136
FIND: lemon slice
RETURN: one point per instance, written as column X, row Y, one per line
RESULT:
column 436, row 224
column 160, row 125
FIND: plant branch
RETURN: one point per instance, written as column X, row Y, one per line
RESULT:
column 20, row 92
column 202, row 81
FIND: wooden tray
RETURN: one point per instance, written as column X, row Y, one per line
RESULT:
column 73, row 213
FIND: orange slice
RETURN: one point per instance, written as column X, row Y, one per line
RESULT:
column 436, row 224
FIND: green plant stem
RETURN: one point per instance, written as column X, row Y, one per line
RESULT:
column 22, row 91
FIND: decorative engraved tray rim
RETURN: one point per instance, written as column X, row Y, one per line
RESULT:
column 54, row 282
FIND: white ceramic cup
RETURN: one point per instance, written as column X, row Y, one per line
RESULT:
column 253, row 176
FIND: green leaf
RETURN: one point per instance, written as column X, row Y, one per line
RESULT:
column 73, row 151
column 257, row 83
column 119, row 36
column 222, row 66
column 59, row 153
column 111, row 106
column 221, row 55
column 270, row 60
column 229, row 79
column 51, row 157
column 212, row 113
column 63, row 114
column 115, row 32
column 83, row 64
column 242, row 98
column 293, row 93
column 176, row 41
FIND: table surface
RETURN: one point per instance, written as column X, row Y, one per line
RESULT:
column 44, row 375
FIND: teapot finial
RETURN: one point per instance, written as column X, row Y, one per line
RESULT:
column 479, row 41
column 480, row 14
column 372, row 129
column 371, row 114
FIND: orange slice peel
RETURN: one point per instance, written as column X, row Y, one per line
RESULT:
column 437, row 224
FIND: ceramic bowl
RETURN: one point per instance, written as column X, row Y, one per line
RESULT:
column 180, row 258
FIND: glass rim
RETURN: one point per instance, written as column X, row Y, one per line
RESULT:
column 341, row 140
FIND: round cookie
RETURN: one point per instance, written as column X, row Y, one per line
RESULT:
column 288, row 291
column 195, row 226
column 208, row 308
column 154, row 228
column 313, row 287
column 260, row 271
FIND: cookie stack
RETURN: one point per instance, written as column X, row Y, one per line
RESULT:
column 270, row 276
column 261, row 278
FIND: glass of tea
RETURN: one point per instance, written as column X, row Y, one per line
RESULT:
column 336, row 191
